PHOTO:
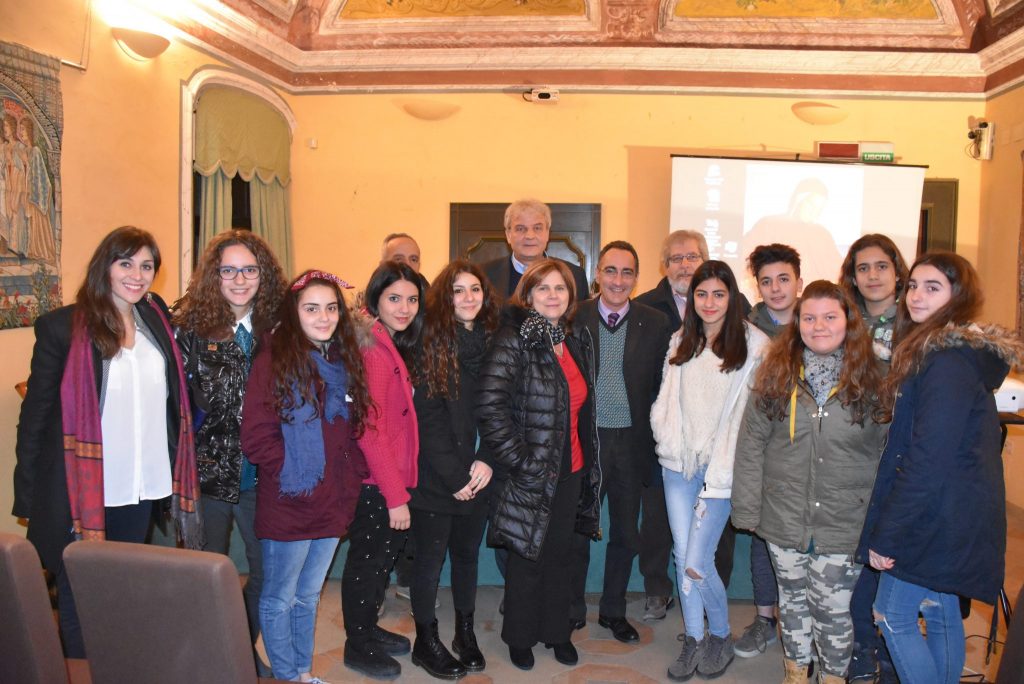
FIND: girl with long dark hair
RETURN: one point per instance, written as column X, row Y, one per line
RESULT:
column 106, row 369
column 696, row 420
column 942, row 451
column 449, row 502
column 391, row 444
column 231, row 303
column 305, row 405
column 810, row 441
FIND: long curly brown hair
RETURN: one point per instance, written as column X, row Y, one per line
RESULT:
column 859, row 380
column 910, row 338
column 730, row 344
column 439, row 352
column 293, row 367
column 94, row 301
column 203, row 308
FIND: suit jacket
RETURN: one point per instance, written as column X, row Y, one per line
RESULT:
column 647, row 339
column 40, row 484
column 498, row 271
column 661, row 299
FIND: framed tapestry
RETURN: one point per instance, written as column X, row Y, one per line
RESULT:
column 31, row 123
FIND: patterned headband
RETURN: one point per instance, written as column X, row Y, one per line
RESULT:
column 319, row 275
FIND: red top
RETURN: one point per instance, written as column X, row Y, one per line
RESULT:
column 391, row 437
column 577, row 397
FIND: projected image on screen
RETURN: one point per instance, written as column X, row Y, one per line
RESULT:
column 817, row 208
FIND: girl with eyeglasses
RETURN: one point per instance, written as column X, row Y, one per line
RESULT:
column 230, row 305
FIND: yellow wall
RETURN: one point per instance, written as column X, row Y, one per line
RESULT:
column 378, row 169
column 1001, row 202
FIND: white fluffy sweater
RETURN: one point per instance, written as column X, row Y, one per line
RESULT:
column 675, row 449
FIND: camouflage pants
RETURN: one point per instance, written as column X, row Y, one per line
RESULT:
column 814, row 605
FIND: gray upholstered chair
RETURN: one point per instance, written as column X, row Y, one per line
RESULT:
column 28, row 631
column 160, row 615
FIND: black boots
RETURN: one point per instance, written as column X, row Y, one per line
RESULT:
column 429, row 653
column 465, row 645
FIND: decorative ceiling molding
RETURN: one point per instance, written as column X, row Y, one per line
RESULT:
column 282, row 9
column 618, row 46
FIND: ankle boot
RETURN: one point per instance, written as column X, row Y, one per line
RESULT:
column 429, row 653
column 465, row 645
column 795, row 672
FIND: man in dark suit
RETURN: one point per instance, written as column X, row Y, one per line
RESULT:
column 527, row 230
column 630, row 343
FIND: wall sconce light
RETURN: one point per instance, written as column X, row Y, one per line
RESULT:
column 140, row 45
column 818, row 113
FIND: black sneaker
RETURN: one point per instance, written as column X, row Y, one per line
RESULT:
column 365, row 657
column 756, row 638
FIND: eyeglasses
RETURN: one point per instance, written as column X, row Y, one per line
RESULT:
column 230, row 272
column 689, row 258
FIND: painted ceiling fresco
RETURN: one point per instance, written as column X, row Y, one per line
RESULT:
column 808, row 9
column 397, row 9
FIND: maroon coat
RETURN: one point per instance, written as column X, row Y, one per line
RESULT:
column 329, row 509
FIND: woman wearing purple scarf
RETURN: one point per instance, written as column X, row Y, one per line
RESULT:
column 305, row 406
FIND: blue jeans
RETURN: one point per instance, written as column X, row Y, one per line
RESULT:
column 293, row 575
column 697, row 526
column 939, row 659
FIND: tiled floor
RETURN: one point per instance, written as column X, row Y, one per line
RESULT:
column 602, row 659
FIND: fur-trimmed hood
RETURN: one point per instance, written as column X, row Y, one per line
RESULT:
column 362, row 325
column 997, row 350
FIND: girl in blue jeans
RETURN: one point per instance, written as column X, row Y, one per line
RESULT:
column 936, row 523
column 696, row 420
column 305, row 405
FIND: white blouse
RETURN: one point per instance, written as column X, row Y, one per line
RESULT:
column 136, row 461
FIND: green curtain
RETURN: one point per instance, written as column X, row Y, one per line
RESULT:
column 271, row 218
column 215, row 207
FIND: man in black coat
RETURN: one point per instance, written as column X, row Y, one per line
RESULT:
column 527, row 230
column 630, row 343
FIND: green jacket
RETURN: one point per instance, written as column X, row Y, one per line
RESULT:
column 815, row 488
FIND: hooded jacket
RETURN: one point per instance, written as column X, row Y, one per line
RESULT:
column 522, row 413
column 938, row 507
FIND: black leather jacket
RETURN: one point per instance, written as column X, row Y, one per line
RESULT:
column 217, row 373
column 523, row 417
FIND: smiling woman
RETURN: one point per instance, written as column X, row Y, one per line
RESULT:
column 107, row 370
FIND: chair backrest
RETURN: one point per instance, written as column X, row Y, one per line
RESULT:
column 28, row 632
column 159, row 615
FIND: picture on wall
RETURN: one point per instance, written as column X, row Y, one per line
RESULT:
column 31, row 123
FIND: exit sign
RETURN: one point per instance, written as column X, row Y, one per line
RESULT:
column 884, row 157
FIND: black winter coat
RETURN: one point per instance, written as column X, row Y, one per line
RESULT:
column 523, row 417
column 447, row 448
column 938, row 508
column 217, row 372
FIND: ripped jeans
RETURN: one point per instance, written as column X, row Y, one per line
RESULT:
column 938, row 659
column 697, row 526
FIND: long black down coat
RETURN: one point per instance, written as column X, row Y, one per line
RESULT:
column 523, row 418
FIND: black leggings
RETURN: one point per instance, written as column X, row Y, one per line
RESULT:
column 373, row 547
column 458, row 537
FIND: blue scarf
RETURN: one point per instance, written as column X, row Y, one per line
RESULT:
column 303, row 434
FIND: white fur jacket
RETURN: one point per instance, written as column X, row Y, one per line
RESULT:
column 667, row 419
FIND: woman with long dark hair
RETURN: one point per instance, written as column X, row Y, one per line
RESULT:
column 449, row 503
column 391, row 444
column 231, row 303
column 942, row 453
column 305, row 405
column 107, row 370
column 536, row 416
column 696, row 420
column 810, row 441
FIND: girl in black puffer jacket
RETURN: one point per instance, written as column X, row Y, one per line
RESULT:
column 536, row 416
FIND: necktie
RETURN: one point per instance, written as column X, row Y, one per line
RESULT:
column 243, row 338
column 613, row 318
